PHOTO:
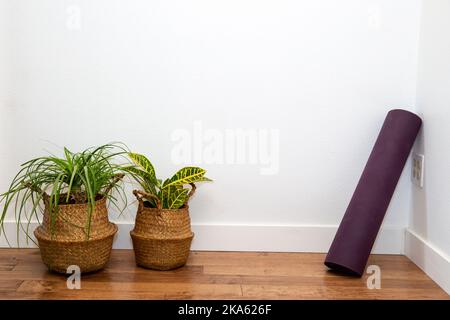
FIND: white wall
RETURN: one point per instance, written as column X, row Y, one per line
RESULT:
column 3, row 63
column 6, row 154
column 430, row 219
column 323, row 73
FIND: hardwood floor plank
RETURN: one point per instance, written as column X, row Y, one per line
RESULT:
column 341, row 292
column 9, row 285
column 215, row 275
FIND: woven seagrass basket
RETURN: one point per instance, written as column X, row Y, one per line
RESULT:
column 161, row 237
column 69, row 244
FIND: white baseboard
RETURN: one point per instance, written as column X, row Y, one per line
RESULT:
column 432, row 261
column 214, row 237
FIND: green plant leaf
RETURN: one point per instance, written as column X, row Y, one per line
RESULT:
column 185, row 176
column 143, row 178
column 144, row 163
column 68, row 158
column 70, row 185
column 91, row 199
column 138, row 172
column 203, row 179
column 173, row 197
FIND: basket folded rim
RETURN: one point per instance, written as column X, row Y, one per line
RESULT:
column 85, row 204
column 39, row 237
column 184, row 208
column 141, row 237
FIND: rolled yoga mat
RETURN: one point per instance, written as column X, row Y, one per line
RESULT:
column 358, row 230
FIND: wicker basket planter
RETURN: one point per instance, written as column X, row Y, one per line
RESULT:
column 69, row 244
column 162, row 234
column 161, row 237
column 73, row 188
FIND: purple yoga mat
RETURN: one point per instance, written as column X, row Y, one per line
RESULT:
column 358, row 230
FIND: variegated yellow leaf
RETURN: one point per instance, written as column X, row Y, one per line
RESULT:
column 185, row 176
column 144, row 163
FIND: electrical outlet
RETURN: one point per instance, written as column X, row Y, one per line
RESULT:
column 418, row 169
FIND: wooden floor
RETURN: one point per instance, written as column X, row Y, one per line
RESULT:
column 215, row 275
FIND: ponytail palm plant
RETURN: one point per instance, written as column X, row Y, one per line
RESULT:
column 76, row 178
column 171, row 193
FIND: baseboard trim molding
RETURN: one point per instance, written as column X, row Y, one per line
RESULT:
column 269, row 238
column 428, row 258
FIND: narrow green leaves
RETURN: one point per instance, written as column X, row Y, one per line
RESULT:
column 79, row 177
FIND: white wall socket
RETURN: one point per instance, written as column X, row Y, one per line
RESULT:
column 418, row 169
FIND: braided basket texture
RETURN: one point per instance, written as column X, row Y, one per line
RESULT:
column 66, row 242
column 162, row 237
